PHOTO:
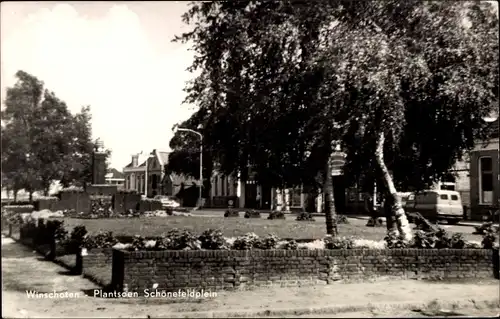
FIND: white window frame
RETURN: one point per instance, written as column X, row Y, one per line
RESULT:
column 480, row 171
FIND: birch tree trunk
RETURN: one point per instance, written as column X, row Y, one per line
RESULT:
column 396, row 206
column 330, row 213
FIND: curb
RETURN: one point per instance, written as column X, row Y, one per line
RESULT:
column 456, row 304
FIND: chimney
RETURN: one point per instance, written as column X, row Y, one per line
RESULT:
column 135, row 160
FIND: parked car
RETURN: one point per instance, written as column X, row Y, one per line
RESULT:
column 436, row 205
column 168, row 201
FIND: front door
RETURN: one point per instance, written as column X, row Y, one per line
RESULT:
column 266, row 197
column 250, row 194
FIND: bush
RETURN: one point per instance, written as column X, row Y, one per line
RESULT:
column 245, row 242
column 276, row 215
column 485, row 228
column 72, row 189
column 178, row 240
column 375, row 222
column 55, row 229
column 490, row 240
column 232, row 213
column 268, row 242
column 103, row 239
column 76, row 239
column 342, row 219
column 212, row 239
column 290, row 245
column 393, row 240
column 252, row 214
column 138, row 244
column 18, row 208
column 338, row 242
column 100, row 206
column 28, row 229
column 305, row 216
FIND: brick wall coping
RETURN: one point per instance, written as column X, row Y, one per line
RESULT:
column 304, row 253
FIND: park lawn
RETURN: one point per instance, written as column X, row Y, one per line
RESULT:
column 231, row 227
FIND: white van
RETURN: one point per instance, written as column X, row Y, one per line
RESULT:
column 436, row 205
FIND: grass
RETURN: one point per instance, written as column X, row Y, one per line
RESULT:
column 156, row 226
column 232, row 227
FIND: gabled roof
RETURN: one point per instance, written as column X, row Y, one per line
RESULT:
column 114, row 173
column 162, row 157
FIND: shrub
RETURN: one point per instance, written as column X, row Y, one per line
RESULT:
column 139, row 243
column 338, row 242
column 393, row 240
column 305, row 216
column 179, row 240
column 490, row 239
column 245, row 242
column 103, row 239
column 342, row 219
column 290, row 245
column 212, row 239
column 28, row 229
column 100, row 206
column 485, row 228
column 252, row 214
column 55, row 229
column 422, row 239
column 18, row 208
column 72, row 189
column 268, row 242
column 15, row 219
column 375, row 222
column 457, row 241
column 76, row 238
column 232, row 213
column 276, row 215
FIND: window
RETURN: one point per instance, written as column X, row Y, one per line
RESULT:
column 454, row 197
column 485, row 180
column 154, row 181
column 223, row 185
column 443, row 196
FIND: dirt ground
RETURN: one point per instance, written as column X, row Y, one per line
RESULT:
column 22, row 270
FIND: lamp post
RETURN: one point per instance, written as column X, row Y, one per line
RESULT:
column 492, row 117
column 176, row 128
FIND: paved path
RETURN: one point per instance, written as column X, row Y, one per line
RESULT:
column 24, row 270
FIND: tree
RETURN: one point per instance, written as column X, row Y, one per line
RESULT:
column 41, row 140
column 378, row 76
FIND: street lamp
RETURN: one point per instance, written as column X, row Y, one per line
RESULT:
column 175, row 129
column 492, row 117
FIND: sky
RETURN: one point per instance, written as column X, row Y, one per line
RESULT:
column 115, row 56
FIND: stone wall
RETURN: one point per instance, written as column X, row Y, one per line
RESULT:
column 173, row 270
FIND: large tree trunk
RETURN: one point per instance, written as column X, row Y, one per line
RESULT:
column 330, row 213
column 394, row 200
column 15, row 194
column 31, row 196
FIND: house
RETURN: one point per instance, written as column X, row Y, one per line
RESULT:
column 114, row 177
column 154, row 166
column 476, row 177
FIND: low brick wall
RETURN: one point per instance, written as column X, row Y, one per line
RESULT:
column 173, row 270
column 95, row 265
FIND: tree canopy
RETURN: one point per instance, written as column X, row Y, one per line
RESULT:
column 403, row 86
column 41, row 140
